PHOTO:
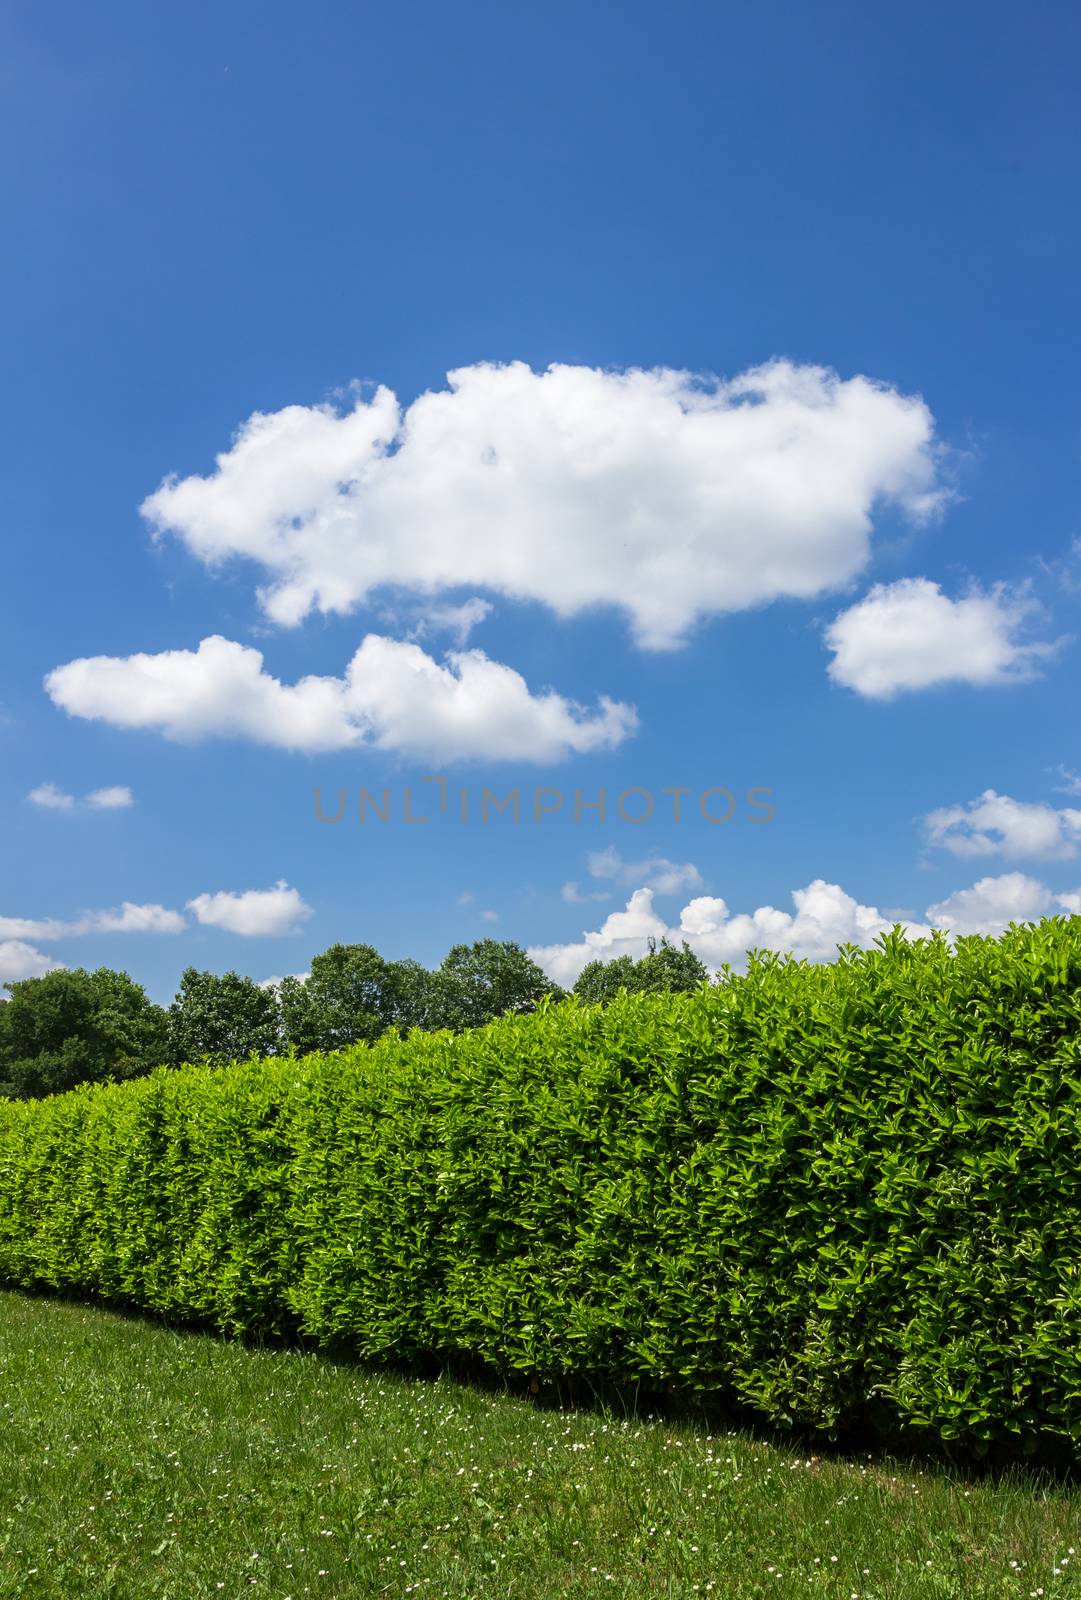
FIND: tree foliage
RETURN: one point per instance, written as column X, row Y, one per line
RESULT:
column 74, row 1026
column 662, row 970
column 347, row 998
column 479, row 982
column 221, row 1017
column 69, row 1028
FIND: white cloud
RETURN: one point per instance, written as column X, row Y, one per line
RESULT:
column 471, row 707
column 655, row 872
column 115, row 798
column 129, row 918
column 254, row 913
column 272, row 983
column 993, row 903
column 669, row 495
column 48, row 796
column 138, row 919
column 489, row 916
column 909, row 635
column 19, row 960
column 220, row 688
column 824, row 917
column 995, row 824
column 393, row 696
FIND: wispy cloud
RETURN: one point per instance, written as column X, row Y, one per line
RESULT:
column 50, row 797
column 127, row 918
column 576, row 896
column 654, row 872
column 1071, row 782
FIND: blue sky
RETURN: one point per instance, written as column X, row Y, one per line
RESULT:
column 220, row 211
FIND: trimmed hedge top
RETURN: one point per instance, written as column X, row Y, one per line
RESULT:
column 846, row 1197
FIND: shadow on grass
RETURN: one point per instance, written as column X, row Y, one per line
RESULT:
column 1036, row 1462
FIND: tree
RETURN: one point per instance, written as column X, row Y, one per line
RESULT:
column 484, row 980
column 599, row 981
column 663, row 970
column 352, row 995
column 74, row 1026
column 223, row 1018
column 670, row 971
column 412, row 994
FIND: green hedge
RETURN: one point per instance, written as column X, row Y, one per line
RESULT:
column 846, row 1197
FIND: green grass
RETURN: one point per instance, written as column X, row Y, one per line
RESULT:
column 138, row 1461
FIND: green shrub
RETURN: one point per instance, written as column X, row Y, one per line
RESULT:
column 844, row 1197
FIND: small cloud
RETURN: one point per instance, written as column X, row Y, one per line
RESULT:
column 50, row 798
column 995, row 824
column 908, row 635
column 114, row 798
column 272, row 983
column 489, row 916
column 139, row 919
column 252, row 913
column 466, row 898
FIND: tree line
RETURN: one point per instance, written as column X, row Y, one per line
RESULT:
column 74, row 1026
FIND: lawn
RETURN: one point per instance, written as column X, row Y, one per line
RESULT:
column 138, row 1461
